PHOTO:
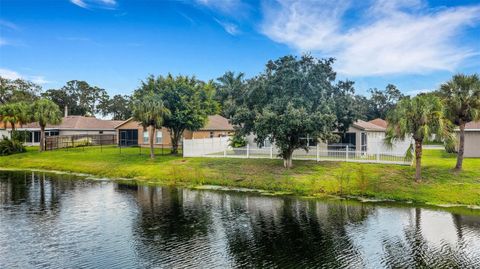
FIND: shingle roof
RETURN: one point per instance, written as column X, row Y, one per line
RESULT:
column 379, row 122
column 473, row 125
column 79, row 123
column 217, row 123
column 367, row 126
column 214, row 123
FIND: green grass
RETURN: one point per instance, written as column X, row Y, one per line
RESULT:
column 441, row 185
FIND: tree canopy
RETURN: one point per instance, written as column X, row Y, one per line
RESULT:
column 44, row 112
column 418, row 117
column 150, row 111
column 80, row 97
column 294, row 98
column 189, row 100
column 18, row 90
column 461, row 96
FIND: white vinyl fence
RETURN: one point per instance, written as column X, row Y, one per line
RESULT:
column 218, row 147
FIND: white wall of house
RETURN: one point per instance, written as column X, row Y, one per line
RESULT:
column 472, row 144
column 376, row 143
column 86, row 132
column 4, row 132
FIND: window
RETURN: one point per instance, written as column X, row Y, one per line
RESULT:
column 145, row 137
column 211, row 134
column 159, row 137
column 100, row 132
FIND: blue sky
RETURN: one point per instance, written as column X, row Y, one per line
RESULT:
column 115, row 44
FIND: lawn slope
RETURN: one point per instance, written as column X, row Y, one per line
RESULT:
column 441, row 185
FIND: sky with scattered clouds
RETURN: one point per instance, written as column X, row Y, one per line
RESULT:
column 114, row 44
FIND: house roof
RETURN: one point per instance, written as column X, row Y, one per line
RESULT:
column 217, row 123
column 368, row 126
column 214, row 123
column 379, row 122
column 473, row 126
column 78, row 123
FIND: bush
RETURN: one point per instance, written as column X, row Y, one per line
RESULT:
column 237, row 141
column 9, row 146
column 20, row 135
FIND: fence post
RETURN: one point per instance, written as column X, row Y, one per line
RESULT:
column 248, row 151
column 318, row 153
column 203, row 148
column 271, row 151
column 224, row 151
column 378, row 154
column 346, row 154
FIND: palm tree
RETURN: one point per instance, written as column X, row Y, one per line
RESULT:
column 461, row 96
column 45, row 112
column 418, row 117
column 150, row 112
column 14, row 113
column 229, row 91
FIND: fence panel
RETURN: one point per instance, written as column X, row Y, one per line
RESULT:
column 205, row 146
column 72, row 141
column 218, row 147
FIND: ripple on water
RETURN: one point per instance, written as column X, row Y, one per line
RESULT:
column 53, row 221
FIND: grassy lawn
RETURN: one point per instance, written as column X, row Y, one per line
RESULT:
column 441, row 185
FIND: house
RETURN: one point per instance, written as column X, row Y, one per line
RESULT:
column 70, row 125
column 3, row 130
column 472, row 139
column 361, row 136
column 131, row 133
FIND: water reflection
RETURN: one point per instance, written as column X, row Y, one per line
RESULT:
column 60, row 221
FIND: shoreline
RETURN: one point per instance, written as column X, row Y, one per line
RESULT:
column 365, row 182
column 474, row 209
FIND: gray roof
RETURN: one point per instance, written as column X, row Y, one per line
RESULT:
column 368, row 126
column 78, row 123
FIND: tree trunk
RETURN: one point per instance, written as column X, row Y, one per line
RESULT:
column 13, row 126
column 418, row 160
column 287, row 160
column 151, row 136
column 42, row 138
column 175, row 136
column 461, row 147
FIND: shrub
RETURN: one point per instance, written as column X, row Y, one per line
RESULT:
column 9, row 146
column 20, row 135
column 237, row 141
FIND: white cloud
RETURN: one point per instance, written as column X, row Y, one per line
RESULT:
column 38, row 80
column 222, row 5
column 417, row 92
column 230, row 28
column 79, row 3
column 388, row 37
column 7, row 24
column 109, row 4
column 9, row 74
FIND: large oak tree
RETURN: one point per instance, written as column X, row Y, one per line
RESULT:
column 295, row 98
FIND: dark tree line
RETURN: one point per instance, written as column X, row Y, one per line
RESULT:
column 78, row 96
column 81, row 98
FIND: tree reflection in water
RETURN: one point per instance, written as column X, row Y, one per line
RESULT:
column 61, row 221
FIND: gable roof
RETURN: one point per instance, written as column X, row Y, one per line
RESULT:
column 78, row 123
column 473, row 126
column 217, row 123
column 214, row 123
column 379, row 122
column 368, row 126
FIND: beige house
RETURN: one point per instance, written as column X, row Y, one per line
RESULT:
column 131, row 133
column 361, row 136
column 70, row 125
column 472, row 139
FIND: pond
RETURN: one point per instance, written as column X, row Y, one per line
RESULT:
column 64, row 221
